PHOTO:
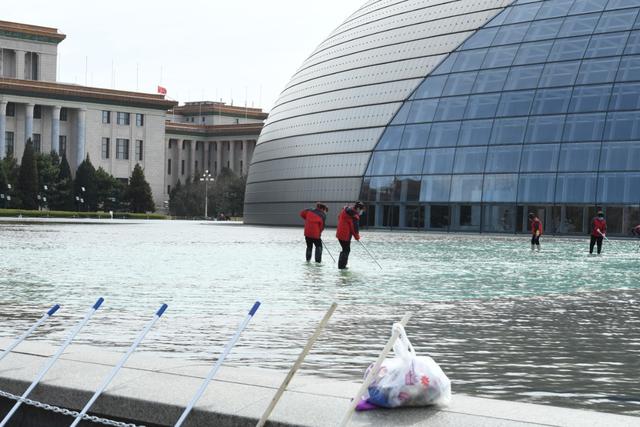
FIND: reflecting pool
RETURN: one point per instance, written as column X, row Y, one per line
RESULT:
column 558, row 327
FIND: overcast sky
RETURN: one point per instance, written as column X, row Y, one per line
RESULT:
column 197, row 49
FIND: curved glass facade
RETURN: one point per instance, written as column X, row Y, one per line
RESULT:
column 318, row 138
column 538, row 110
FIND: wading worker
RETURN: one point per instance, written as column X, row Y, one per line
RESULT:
column 314, row 220
column 598, row 231
column 536, row 230
column 348, row 226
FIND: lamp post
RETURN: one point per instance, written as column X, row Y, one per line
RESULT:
column 42, row 198
column 206, row 177
column 80, row 198
column 6, row 197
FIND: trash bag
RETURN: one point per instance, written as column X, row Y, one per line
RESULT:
column 408, row 379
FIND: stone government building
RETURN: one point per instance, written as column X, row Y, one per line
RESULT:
column 462, row 116
column 117, row 129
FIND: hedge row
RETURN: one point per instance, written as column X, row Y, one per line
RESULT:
column 68, row 214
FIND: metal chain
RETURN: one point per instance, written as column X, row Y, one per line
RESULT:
column 65, row 411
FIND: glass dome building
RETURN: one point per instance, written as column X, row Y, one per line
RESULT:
column 533, row 107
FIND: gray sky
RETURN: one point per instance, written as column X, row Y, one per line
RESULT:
column 206, row 49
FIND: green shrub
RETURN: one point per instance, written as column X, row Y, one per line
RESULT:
column 70, row 214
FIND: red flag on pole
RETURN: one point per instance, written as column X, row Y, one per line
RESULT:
column 162, row 90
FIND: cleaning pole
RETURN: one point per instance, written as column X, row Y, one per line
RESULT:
column 33, row 327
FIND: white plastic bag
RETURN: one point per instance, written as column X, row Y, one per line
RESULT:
column 408, row 379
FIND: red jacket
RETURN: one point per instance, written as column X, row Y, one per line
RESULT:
column 598, row 223
column 536, row 225
column 313, row 222
column 348, row 224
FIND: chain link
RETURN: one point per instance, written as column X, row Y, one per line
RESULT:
column 65, row 411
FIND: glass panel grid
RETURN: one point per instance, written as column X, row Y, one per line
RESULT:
column 531, row 102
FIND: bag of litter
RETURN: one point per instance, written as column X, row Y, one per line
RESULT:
column 408, row 379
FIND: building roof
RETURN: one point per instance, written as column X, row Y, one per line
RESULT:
column 173, row 128
column 30, row 32
column 207, row 108
column 69, row 92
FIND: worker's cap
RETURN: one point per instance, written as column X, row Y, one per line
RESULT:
column 322, row 207
column 600, row 213
column 531, row 215
column 358, row 205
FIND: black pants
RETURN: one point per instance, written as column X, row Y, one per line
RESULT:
column 318, row 244
column 535, row 240
column 595, row 239
column 344, row 255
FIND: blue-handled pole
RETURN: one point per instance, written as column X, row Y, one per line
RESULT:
column 53, row 359
column 217, row 365
column 33, row 327
column 119, row 366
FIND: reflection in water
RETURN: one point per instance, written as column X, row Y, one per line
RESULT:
column 556, row 327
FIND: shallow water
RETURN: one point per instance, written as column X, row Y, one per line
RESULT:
column 558, row 327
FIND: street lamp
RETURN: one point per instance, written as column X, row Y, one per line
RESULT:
column 5, row 197
column 80, row 198
column 42, row 198
column 206, row 177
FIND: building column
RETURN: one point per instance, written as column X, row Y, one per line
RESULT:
column 192, row 159
column 3, row 127
column 232, row 156
column 219, row 146
column 28, row 122
column 20, row 60
column 206, row 149
column 80, row 133
column 179, row 162
column 55, row 129
column 245, row 157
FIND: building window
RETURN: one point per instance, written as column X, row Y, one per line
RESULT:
column 123, row 118
column 36, row 142
column 8, row 139
column 37, row 111
column 106, row 117
column 139, row 149
column 106, row 148
column 63, row 114
column 11, row 109
column 139, row 119
column 62, row 144
column 122, row 148
column 182, row 167
column 168, row 166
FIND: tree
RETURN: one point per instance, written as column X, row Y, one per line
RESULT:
column 227, row 195
column 62, row 196
column 139, row 192
column 85, row 185
column 12, row 171
column 110, row 191
column 4, row 182
column 48, row 171
column 28, row 178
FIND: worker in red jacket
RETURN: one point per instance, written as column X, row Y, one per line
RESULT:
column 348, row 226
column 598, row 231
column 314, row 220
column 536, row 230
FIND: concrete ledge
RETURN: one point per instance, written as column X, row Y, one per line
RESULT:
column 153, row 391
